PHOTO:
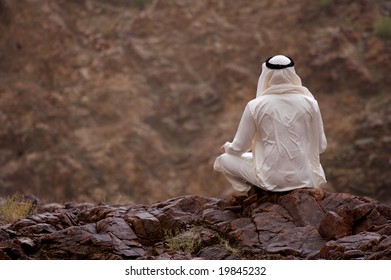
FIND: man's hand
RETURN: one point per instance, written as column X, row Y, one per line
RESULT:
column 222, row 149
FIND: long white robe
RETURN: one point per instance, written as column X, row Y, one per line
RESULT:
column 283, row 129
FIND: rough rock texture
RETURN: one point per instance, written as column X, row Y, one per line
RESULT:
column 302, row 224
column 129, row 100
column 372, row 149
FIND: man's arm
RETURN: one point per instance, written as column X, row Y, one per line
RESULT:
column 244, row 136
column 322, row 136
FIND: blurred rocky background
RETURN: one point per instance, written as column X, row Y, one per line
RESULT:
column 129, row 100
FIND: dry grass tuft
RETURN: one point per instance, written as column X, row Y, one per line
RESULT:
column 13, row 208
column 188, row 241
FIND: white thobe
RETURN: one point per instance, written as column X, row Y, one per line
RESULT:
column 284, row 132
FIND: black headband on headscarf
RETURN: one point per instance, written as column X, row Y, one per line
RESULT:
column 279, row 66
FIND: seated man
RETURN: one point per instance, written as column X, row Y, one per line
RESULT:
column 280, row 135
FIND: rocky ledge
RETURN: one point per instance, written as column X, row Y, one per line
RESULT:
column 302, row 224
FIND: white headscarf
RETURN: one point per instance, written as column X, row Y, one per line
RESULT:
column 281, row 80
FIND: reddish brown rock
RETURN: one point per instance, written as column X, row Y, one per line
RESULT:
column 334, row 227
column 268, row 225
column 351, row 247
column 303, row 206
column 147, row 228
column 243, row 230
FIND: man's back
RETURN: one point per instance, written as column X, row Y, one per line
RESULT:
column 285, row 145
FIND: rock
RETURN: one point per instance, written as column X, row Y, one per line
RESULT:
column 147, row 228
column 334, row 227
column 263, row 226
column 304, row 207
column 300, row 242
column 383, row 250
column 351, row 247
column 26, row 244
column 243, row 230
column 216, row 252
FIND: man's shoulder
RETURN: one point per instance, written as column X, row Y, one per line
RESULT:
column 252, row 103
column 275, row 99
column 257, row 100
column 262, row 99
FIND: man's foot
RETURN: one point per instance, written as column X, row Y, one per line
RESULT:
column 255, row 191
column 252, row 191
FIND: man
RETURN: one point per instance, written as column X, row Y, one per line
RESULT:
column 283, row 129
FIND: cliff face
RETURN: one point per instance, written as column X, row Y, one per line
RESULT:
column 110, row 101
column 302, row 224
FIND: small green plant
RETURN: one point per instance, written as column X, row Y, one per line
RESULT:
column 325, row 3
column 13, row 208
column 383, row 27
column 140, row 4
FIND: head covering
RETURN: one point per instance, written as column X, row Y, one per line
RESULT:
column 279, row 76
column 279, row 62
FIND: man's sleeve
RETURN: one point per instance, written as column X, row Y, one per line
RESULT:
column 321, row 134
column 244, row 136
